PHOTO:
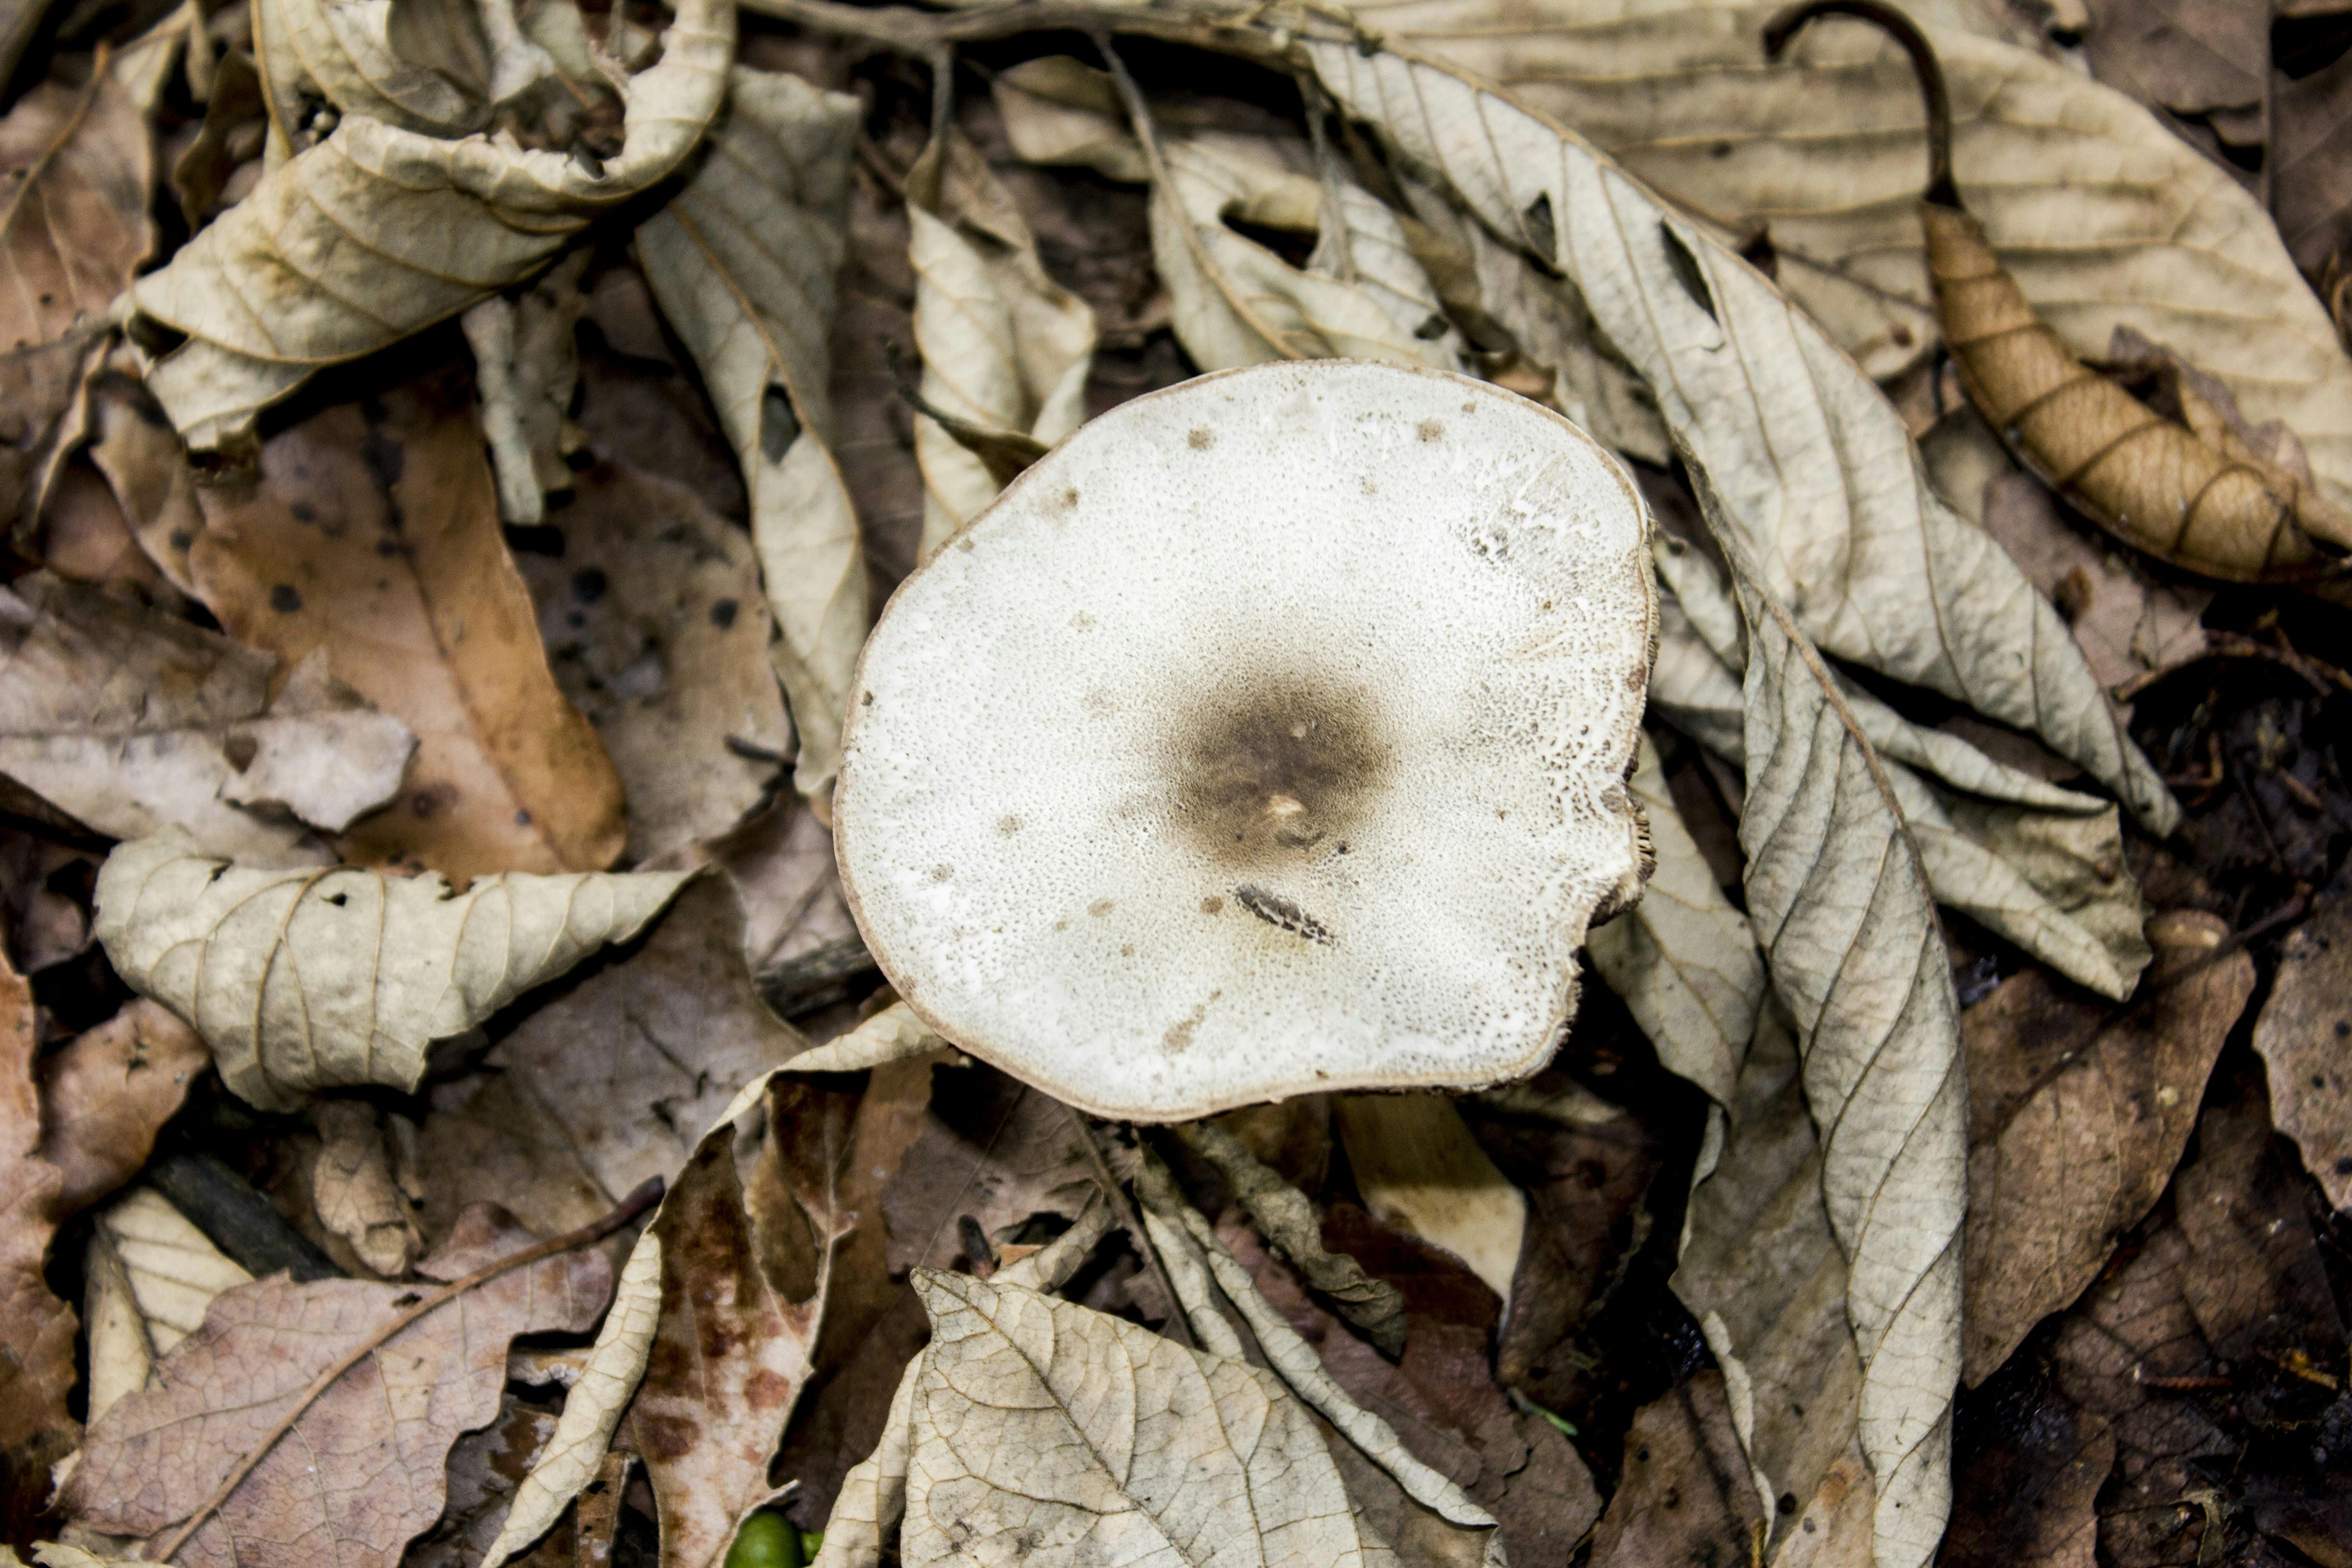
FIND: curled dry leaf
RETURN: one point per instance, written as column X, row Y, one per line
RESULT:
column 656, row 628
column 135, row 721
column 2078, row 1121
column 2104, row 215
column 1795, row 437
column 1003, row 346
column 2214, row 506
column 742, row 261
column 151, row 1276
column 372, row 531
column 1032, row 1419
column 105, row 1095
column 1684, row 960
column 746, row 1269
column 2304, row 1036
column 74, row 226
column 346, row 1483
column 355, row 1192
column 527, row 365
column 2039, row 865
column 892, row 1035
column 378, row 229
column 305, row 980
column 36, row 1330
column 1288, row 1220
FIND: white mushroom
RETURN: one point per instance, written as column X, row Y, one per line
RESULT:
column 1269, row 735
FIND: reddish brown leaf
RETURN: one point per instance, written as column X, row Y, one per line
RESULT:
column 36, row 1329
column 104, row 1097
column 744, row 1278
column 361, row 1472
column 1686, row 1496
column 2305, row 1037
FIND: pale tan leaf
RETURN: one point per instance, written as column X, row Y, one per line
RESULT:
column 1684, row 960
column 349, row 55
column 594, row 1407
column 371, row 533
column 37, row 1370
column 107, row 1093
column 742, row 261
column 377, row 230
column 892, row 1035
column 1003, row 346
column 1060, row 111
column 305, row 980
column 172, row 1269
column 656, row 630
column 2303, row 1035
column 132, row 444
column 346, row 1484
column 2077, row 1120
column 1841, row 902
column 353, row 1191
column 2039, row 865
column 73, row 228
column 527, row 368
column 1797, row 439
column 2104, row 215
column 134, row 721
column 120, row 1350
column 1420, row 1170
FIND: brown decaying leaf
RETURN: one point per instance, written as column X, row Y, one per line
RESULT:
column 2212, row 507
column 2078, row 1119
column 73, row 226
column 1686, row 1496
column 1441, row 1395
column 135, row 721
column 993, row 1150
column 36, row 1330
column 2311, row 176
column 372, row 532
column 84, row 537
column 107, row 1093
column 2025, row 1486
column 625, row 1069
column 347, row 1483
column 303, row 980
column 655, row 625
column 484, row 1468
column 358, row 1198
column 2305, row 1034
column 745, row 1268
column 1419, row 1169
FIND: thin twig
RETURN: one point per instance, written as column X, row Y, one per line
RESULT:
column 2321, row 674
column 646, row 1196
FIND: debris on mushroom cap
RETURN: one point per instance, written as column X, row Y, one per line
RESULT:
column 1269, row 735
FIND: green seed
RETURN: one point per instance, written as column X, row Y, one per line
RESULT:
column 766, row 1541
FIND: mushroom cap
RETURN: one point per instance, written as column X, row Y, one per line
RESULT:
column 1269, row 735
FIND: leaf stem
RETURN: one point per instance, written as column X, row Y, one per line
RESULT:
column 646, row 1196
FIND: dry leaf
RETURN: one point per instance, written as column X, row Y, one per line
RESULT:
column 372, row 532
column 75, row 227
column 2078, row 1121
column 1003, row 346
column 892, row 1035
column 742, row 261
column 651, row 611
column 171, row 1269
column 355, row 1191
column 377, row 230
column 1825, row 152
column 2025, row 1493
column 36, row 1329
column 1288, row 1219
column 626, row 1067
column 2039, row 865
column 1795, row 439
column 568, row 1459
column 105, row 1095
column 304, row 979
column 993, row 1152
column 2304, row 1036
column 1683, row 960
column 346, row 1483
column 85, row 537
column 527, row 364
column 1419, row 1170
column 132, row 444
column 745, row 1272
column 484, row 1468
column 1033, row 1425
column 135, row 721
column 1685, row 1495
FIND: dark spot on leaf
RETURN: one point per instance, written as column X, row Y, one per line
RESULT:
column 1543, row 232
column 534, row 539
column 284, row 599
column 1686, row 269
column 1433, row 329
column 780, row 426
column 241, row 751
column 304, row 511
column 588, row 584
column 723, row 613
